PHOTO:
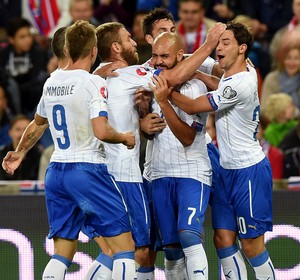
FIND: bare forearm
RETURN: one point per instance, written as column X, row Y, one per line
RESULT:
column 210, row 81
column 183, row 102
column 186, row 68
column 112, row 136
column 31, row 135
column 182, row 131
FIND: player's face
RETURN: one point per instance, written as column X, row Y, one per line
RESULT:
column 129, row 51
column 164, row 55
column 161, row 26
column 292, row 62
column 227, row 50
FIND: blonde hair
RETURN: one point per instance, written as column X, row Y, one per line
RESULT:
column 80, row 39
column 276, row 105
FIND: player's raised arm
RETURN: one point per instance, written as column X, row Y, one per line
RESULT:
column 186, row 68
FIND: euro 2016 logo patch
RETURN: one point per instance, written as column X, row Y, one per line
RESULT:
column 103, row 92
column 141, row 71
column 229, row 93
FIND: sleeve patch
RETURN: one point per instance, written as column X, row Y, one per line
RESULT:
column 229, row 93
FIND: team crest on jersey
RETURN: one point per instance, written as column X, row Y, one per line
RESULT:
column 103, row 92
column 229, row 93
column 141, row 71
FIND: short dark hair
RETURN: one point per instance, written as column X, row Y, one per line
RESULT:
column 153, row 16
column 242, row 34
column 15, row 24
column 107, row 34
column 58, row 42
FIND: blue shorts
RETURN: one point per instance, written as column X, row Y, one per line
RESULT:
column 242, row 202
column 214, row 157
column 80, row 194
column 155, row 242
column 179, row 204
column 138, row 210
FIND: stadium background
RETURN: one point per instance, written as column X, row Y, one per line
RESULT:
column 24, row 251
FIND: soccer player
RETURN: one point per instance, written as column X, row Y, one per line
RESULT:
column 181, row 179
column 79, row 190
column 242, row 204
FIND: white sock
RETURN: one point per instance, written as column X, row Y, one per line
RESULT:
column 145, row 273
column 124, row 266
column 263, row 267
column 56, row 268
column 196, row 262
column 101, row 268
column 175, row 269
column 233, row 263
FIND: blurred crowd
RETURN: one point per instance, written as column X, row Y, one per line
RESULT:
column 26, row 61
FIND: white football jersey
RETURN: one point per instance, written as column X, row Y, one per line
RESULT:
column 123, row 163
column 71, row 98
column 237, row 116
column 206, row 67
column 170, row 158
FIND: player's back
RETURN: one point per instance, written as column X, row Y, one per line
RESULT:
column 71, row 98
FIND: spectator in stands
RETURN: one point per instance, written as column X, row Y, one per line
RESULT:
column 25, row 62
column 280, row 111
column 223, row 11
column 115, row 10
column 82, row 10
column 274, row 155
column 143, row 48
column 286, row 36
column 259, row 54
column 269, row 16
column 290, row 146
column 5, row 117
column 286, row 78
column 9, row 9
column 146, row 5
column 30, row 165
column 193, row 25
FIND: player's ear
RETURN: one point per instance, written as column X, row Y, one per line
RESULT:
column 149, row 39
column 180, row 55
column 116, row 47
column 94, row 51
column 242, row 48
column 66, row 53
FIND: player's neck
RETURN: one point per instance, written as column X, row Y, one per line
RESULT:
column 80, row 64
column 116, row 59
column 237, row 67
